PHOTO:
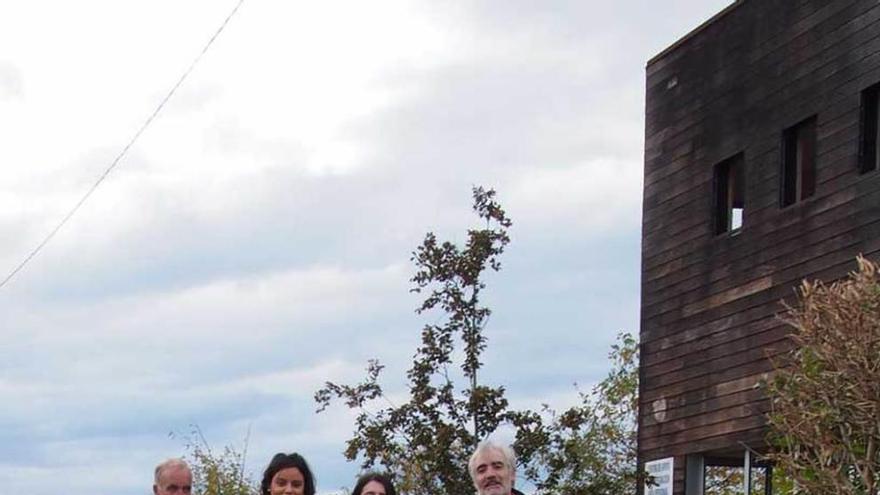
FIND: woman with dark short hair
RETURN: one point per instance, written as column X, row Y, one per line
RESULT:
column 374, row 484
column 288, row 474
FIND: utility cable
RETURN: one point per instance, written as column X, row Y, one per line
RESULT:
column 124, row 151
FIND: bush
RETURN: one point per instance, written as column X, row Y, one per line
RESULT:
column 825, row 394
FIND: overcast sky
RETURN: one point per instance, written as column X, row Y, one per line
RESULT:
column 255, row 241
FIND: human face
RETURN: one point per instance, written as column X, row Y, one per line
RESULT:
column 492, row 475
column 373, row 488
column 288, row 481
column 174, row 480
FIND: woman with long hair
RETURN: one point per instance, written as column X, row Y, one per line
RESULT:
column 288, row 474
column 374, row 484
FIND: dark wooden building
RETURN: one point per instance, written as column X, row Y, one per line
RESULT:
column 761, row 169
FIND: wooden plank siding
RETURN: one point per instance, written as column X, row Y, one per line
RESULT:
column 709, row 325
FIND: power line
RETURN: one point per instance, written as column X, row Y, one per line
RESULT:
column 124, row 151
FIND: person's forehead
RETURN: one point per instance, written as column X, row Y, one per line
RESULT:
column 290, row 473
column 490, row 456
column 175, row 472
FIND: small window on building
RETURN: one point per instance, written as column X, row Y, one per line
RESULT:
column 730, row 179
column 798, row 162
column 868, row 149
column 731, row 475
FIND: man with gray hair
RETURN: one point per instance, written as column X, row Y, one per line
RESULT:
column 172, row 477
column 493, row 469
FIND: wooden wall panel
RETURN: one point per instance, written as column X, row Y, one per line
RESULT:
column 709, row 325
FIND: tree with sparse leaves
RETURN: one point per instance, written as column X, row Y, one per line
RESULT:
column 217, row 473
column 426, row 441
column 825, row 394
column 590, row 449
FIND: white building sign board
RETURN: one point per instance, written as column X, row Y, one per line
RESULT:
column 661, row 472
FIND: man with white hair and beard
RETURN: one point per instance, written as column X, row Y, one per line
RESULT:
column 493, row 469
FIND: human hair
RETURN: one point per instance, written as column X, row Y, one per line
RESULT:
column 283, row 461
column 506, row 452
column 174, row 462
column 385, row 481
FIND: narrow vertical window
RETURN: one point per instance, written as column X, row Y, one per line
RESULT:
column 729, row 194
column 798, row 178
column 868, row 149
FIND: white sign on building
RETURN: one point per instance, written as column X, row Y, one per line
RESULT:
column 660, row 473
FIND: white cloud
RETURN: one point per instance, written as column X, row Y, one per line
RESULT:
column 592, row 197
column 11, row 84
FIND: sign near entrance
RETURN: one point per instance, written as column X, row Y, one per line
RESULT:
column 660, row 472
